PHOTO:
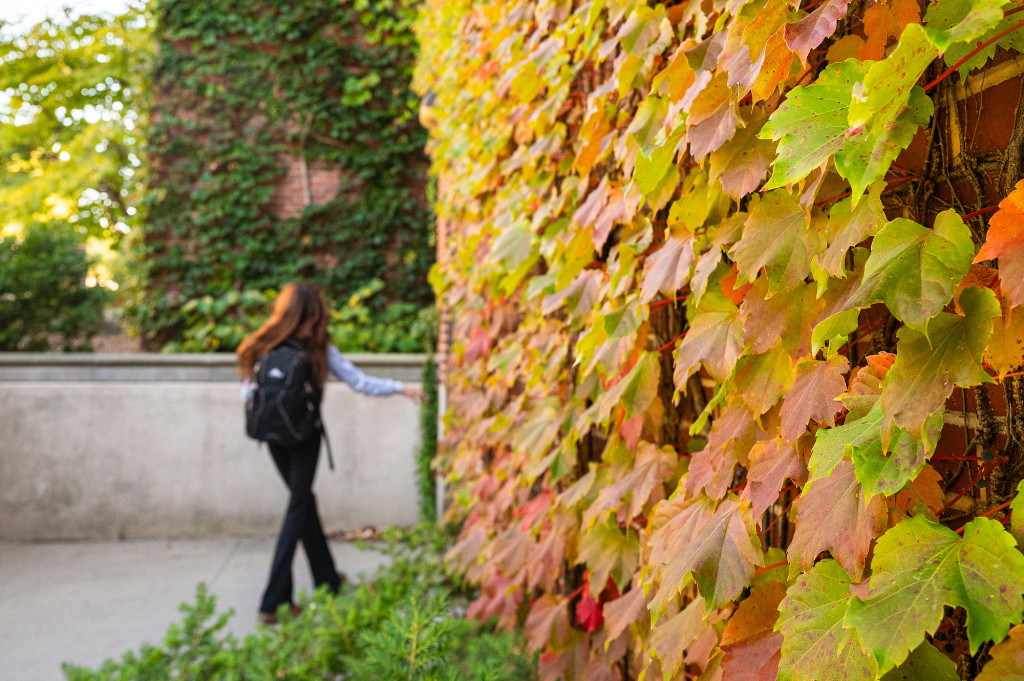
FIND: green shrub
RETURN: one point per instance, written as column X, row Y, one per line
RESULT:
column 425, row 478
column 44, row 301
column 399, row 625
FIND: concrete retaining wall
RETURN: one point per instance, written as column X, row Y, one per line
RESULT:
column 145, row 446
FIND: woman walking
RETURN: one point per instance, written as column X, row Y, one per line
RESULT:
column 299, row 318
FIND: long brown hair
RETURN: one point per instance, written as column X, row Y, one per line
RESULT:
column 298, row 312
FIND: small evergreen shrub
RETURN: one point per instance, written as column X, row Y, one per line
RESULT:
column 402, row 624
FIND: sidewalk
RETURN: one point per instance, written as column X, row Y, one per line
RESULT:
column 89, row 601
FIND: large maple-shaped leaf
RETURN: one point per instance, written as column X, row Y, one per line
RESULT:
column 1005, row 240
column 779, row 236
column 849, row 226
column 741, row 163
column 813, row 396
column 868, row 154
column 750, row 644
column 607, row 551
column 925, row 372
column 671, row 636
column 886, row 87
column 763, row 379
column 815, row 644
column 788, row 315
column 668, row 269
column 629, row 608
column 945, row 15
column 1007, row 663
column 652, row 467
column 832, row 445
column 886, row 473
column 806, row 34
column 714, row 542
column 918, row 567
column 547, row 623
column 836, row 515
column 712, row 468
column 810, row 126
column 924, row 664
column 914, row 270
column 714, row 340
column 771, row 462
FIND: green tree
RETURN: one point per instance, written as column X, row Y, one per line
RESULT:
column 70, row 141
column 44, row 299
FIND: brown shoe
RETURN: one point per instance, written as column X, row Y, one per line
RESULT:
column 271, row 618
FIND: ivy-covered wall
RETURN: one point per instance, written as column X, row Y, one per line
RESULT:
column 253, row 102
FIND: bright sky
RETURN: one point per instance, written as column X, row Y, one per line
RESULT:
column 21, row 14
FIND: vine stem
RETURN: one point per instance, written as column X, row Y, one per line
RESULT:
column 980, row 212
column 987, row 513
column 972, row 53
column 956, row 458
column 672, row 342
column 766, row 568
column 985, row 470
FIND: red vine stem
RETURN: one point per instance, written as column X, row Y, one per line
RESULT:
column 956, row 458
column 660, row 303
column 668, row 346
column 972, row 53
column 986, row 514
column 985, row 470
column 766, row 568
column 980, row 212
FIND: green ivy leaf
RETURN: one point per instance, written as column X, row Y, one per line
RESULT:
column 918, row 567
column 913, row 269
column 810, row 126
column 816, row 646
column 926, row 370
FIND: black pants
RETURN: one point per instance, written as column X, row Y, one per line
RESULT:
column 297, row 466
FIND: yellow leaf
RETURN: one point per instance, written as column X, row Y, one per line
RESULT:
column 1005, row 350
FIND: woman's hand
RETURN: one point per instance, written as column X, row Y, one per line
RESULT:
column 414, row 392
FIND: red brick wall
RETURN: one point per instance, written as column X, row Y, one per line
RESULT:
column 302, row 185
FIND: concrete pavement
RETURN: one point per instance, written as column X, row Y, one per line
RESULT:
column 84, row 602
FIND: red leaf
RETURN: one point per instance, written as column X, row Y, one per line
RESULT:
column 809, row 32
column 589, row 613
column 625, row 610
column 788, row 315
column 771, row 463
column 712, row 468
column 813, row 396
column 630, row 430
column 715, row 542
column 668, row 269
column 712, row 132
column 834, row 516
column 752, row 647
column 547, row 623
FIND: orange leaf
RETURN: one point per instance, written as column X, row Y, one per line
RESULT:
column 778, row 59
column 879, row 24
column 1005, row 240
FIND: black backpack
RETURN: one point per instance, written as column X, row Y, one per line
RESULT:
column 284, row 407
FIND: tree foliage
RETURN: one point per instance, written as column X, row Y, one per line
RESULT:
column 735, row 388
column 71, row 95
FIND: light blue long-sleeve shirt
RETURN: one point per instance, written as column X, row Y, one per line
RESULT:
column 360, row 382
column 348, row 372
